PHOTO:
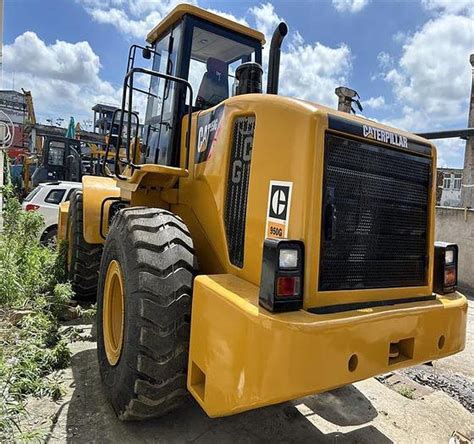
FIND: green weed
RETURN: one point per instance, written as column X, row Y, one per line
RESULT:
column 32, row 349
column 407, row 392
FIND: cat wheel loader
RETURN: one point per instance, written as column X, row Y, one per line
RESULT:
column 251, row 248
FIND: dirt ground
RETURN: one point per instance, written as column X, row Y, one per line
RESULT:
column 365, row 412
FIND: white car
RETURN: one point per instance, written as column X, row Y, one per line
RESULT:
column 45, row 199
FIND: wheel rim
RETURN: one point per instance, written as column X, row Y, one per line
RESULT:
column 52, row 243
column 113, row 312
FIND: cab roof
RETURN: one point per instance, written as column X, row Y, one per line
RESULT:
column 177, row 13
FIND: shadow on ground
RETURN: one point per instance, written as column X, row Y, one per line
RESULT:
column 91, row 419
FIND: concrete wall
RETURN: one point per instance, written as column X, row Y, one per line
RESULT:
column 457, row 225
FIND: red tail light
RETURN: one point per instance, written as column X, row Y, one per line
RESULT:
column 31, row 207
column 450, row 278
column 288, row 286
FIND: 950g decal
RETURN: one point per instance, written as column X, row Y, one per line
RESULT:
column 278, row 209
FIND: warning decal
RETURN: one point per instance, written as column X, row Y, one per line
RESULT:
column 278, row 210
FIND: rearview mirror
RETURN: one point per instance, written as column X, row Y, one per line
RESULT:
column 146, row 53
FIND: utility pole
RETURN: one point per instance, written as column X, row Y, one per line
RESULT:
column 2, row 167
column 1, row 44
column 467, row 190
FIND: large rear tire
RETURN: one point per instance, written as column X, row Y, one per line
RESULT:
column 143, row 312
column 83, row 258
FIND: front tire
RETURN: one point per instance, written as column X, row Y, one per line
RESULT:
column 143, row 363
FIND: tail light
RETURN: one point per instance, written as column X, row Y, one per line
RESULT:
column 281, row 283
column 445, row 268
column 31, row 207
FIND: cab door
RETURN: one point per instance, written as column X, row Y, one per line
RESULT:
column 161, row 121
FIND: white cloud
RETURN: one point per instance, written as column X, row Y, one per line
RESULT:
column 374, row 102
column 134, row 18
column 228, row 16
column 309, row 71
column 432, row 78
column 64, row 77
column 266, row 19
column 450, row 6
column 399, row 37
column 385, row 60
column 312, row 72
column 350, row 5
column 449, row 149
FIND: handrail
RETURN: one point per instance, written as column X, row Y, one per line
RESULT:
column 128, row 84
column 117, row 149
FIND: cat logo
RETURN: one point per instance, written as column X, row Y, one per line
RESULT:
column 203, row 136
column 278, row 211
column 209, row 126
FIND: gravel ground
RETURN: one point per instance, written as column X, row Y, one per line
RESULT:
column 457, row 386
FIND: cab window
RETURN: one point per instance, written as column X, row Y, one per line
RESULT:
column 214, row 59
column 56, row 153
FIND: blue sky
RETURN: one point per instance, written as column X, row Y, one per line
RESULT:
column 407, row 59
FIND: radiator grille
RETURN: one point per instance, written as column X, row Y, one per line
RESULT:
column 237, row 187
column 375, row 213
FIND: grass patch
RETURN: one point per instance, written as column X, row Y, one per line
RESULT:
column 33, row 293
column 407, row 392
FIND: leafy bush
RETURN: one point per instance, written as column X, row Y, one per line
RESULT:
column 27, row 269
column 31, row 349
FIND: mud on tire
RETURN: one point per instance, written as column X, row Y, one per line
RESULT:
column 156, row 255
column 84, row 261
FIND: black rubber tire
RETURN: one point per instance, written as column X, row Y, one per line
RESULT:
column 156, row 254
column 50, row 238
column 85, row 260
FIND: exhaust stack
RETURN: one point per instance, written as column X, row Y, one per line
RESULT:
column 274, row 60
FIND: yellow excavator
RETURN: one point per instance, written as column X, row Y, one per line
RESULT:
column 251, row 248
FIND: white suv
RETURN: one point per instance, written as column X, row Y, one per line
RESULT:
column 45, row 199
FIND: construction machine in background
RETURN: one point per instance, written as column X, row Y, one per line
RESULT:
column 252, row 248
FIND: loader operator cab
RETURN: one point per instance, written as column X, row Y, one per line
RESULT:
column 204, row 54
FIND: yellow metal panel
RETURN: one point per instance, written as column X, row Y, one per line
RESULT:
column 158, row 176
column 243, row 357
column 177, row 13
column 95, row 190
column 62, row 220
column 288, row 146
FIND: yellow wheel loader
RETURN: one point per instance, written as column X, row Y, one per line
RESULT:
column 256, row 248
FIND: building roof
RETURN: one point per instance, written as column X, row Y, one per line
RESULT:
column 451, row 170
column 102, row 107
column 177, row 13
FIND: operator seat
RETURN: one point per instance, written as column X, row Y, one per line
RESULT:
column 214, row 85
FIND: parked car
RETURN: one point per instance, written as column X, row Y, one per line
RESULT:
column 45, row 199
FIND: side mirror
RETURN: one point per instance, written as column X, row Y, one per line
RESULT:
column 146, row 53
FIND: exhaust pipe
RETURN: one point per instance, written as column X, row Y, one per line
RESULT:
column 274, row 60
